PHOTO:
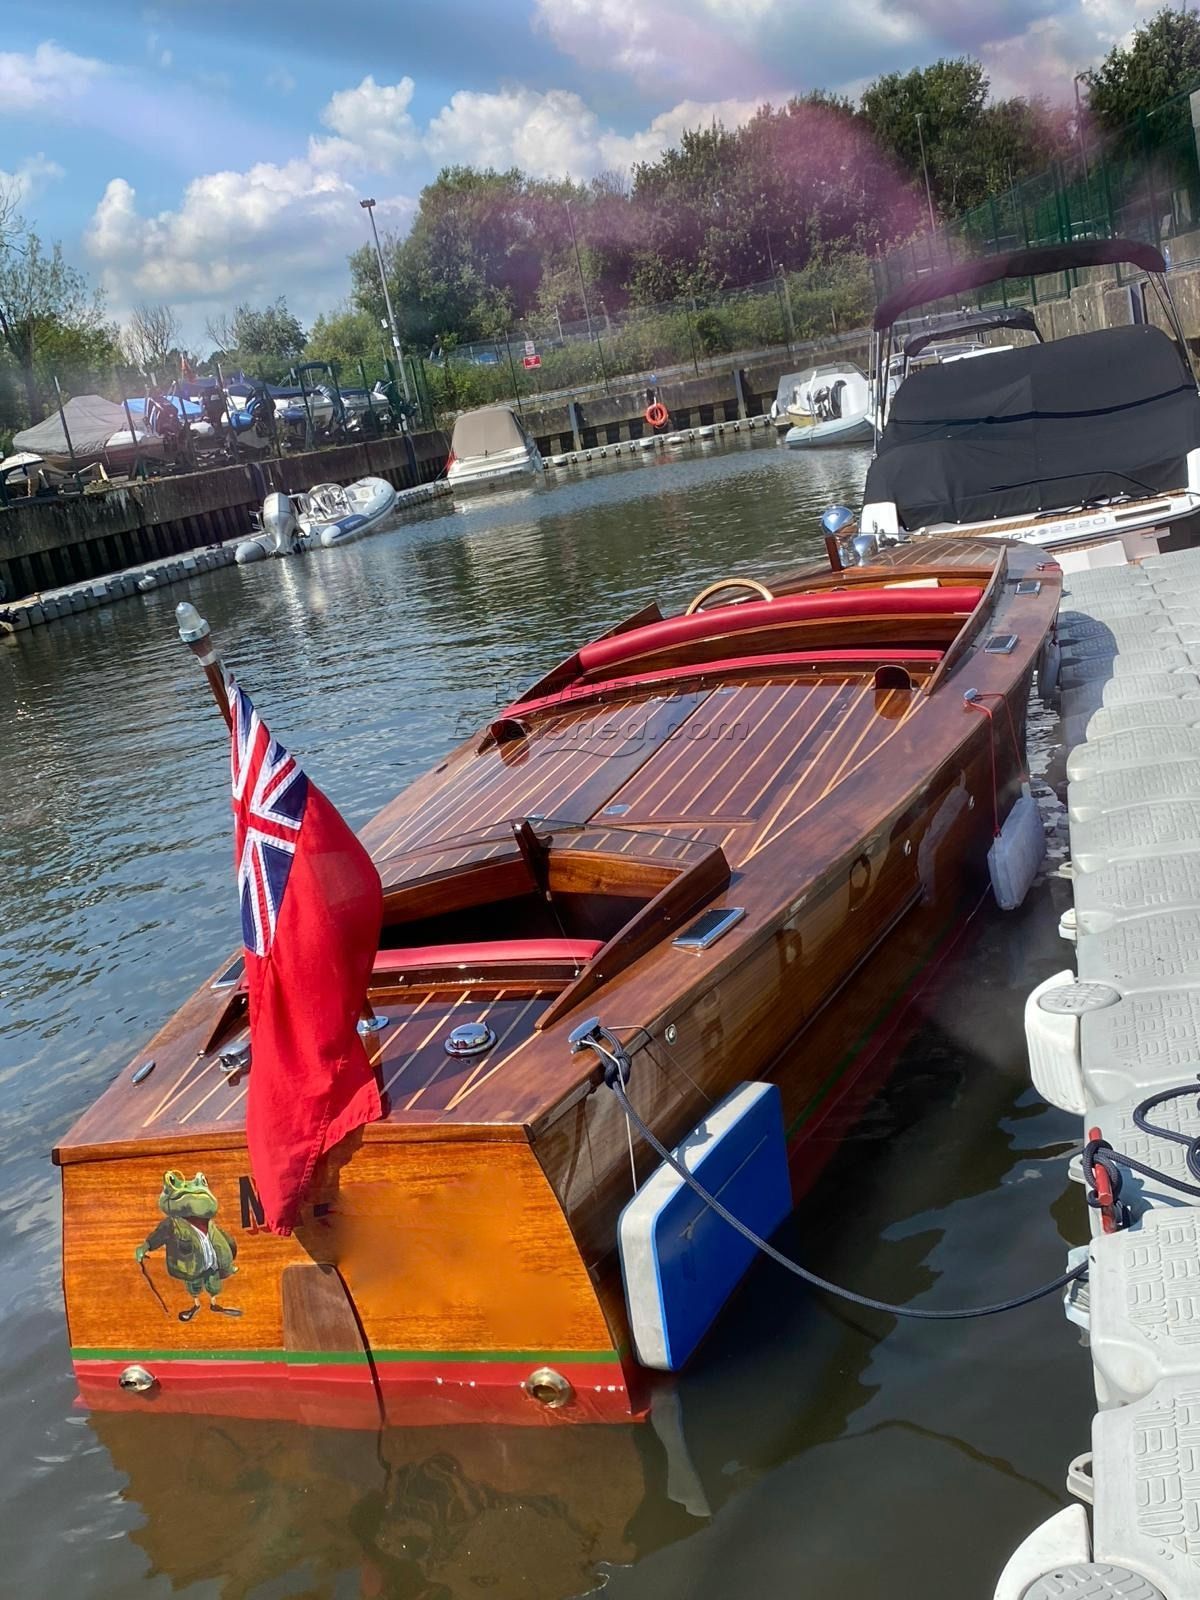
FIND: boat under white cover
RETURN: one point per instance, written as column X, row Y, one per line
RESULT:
column 491, row 446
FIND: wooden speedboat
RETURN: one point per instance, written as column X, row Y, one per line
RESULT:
column 737, row 837
column 1087, row 447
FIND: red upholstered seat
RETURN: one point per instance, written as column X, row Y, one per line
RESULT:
column 488, row 953
column 725, row 620
column 866, row 659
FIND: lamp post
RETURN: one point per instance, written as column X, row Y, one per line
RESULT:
column 579, row 267
column 369, row 207
column 1079, row 125
column 583, row 293
column 925, row 170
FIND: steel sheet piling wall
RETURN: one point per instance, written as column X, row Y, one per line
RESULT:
column 68, row 539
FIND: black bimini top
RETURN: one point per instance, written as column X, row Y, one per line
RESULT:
column 1021, row 432
column 1035, row 262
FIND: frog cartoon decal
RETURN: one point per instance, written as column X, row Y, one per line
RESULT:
column 199, row 1253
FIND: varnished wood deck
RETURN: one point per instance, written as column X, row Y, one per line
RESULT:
column 752, row 764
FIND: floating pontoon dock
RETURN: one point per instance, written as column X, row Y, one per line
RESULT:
column 1102, row 1041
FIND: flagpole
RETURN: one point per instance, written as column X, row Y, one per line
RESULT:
column 197, row 635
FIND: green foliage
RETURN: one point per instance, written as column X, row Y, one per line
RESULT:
column 345, row 336
column 267, row 336
column 972, row 147
column 1162, row 61
column 46, row 308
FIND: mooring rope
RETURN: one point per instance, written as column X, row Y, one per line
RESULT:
column 614, row 1078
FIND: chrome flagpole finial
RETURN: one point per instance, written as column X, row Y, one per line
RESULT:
column 197, row 635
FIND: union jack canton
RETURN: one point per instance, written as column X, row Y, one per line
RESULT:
column 270, row 792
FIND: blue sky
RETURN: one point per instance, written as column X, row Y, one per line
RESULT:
column 213, row 151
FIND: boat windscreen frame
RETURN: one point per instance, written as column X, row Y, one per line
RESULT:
column 1021, row 319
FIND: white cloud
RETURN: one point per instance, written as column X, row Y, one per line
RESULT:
column 697, row 46
column 31, row 176
column 1044, row 57
column 372, row 120
column 280, row 80
column 619, row 150
column 235, row 235
column 548, row 135
column 47, row 81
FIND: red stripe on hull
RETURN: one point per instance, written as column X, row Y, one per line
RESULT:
column 413, row 1394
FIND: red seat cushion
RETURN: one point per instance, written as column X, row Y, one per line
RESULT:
column 488, row 953
column 675, row 631
column 866, row 659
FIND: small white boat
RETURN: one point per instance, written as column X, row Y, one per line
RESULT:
column 491, row 446
column 830, row 405
column 329, row 515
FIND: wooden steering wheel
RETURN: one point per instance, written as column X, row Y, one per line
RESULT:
column 760, row 589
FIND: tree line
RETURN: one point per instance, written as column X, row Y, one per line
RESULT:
column 813, row 188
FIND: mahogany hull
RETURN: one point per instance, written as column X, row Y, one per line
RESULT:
column 450, row 1253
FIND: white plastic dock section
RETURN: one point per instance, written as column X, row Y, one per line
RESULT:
column 1121, row 1027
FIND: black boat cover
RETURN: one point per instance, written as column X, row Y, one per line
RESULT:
column 1040, row 429
column 1034, row 262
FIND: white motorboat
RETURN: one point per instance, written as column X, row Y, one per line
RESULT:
column 326, row 515
column 830, row 405
column 89, row 429
column 1088, row 447
column 329, row 514
column 491, row 446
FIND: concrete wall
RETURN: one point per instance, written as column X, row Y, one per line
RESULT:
column 1101, row 301
column 692, row 402
column 68, row 539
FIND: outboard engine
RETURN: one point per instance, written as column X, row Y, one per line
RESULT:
column 279, row 524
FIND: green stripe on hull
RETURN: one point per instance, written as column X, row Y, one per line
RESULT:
column 356, row 1357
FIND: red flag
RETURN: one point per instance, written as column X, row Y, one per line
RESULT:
column 312, row 907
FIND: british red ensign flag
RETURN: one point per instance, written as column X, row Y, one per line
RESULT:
column 312, row 907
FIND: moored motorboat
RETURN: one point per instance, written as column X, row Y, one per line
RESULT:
column 490, row 446
column 706, row 848
column 330, row 515
column 1087, row 447
column 829, row 405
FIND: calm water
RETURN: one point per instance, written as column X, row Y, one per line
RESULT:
column 812, row 1449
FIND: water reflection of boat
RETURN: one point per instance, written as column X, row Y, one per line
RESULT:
column 720, row 833
column 1088, row 446
column 441, row 1512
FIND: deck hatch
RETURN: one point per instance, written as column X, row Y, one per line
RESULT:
column 1000, row 644
column 708, row 928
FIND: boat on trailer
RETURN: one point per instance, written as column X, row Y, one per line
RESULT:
column 711, row 848
column 1087, row 447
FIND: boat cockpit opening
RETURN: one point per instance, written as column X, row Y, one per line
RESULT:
column 859, row 626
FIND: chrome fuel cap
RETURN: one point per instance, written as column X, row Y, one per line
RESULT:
column 470, row 1039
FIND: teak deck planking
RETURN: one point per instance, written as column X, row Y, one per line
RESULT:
column 473, row 1229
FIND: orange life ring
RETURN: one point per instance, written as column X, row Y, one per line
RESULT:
column 656, row 414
